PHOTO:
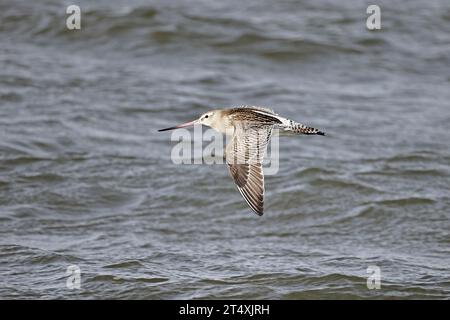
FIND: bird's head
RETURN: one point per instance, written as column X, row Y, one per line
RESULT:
column 209, row 119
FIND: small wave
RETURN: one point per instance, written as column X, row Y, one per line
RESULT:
column 108, row 21
column 411, row 201
column 10, row 97
column 222, row 21
column 335, row 278
column 254, row 278
column 124, row 265
column 372, row 42
column 313, row 171
column 23, row 160
column 340, row 184
column 363, row 211
column 121, row 279
column 42, row 177
column 35, row 256
column 405, row 172
column 419, row 155
column 280, row 48
column 28, row 149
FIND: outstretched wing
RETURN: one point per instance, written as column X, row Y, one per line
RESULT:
column 244, row 154
column 255, row 114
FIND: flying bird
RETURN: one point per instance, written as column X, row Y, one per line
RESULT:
column 250, row 129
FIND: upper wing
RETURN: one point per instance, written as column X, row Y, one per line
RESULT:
column 255, row 114
column 261, row 109
column 244, row 154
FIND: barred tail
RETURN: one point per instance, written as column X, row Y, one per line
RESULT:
column 299, row 128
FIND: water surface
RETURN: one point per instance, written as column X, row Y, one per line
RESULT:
column 86, row 180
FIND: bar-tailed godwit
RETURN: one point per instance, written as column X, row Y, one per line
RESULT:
column 250, row 129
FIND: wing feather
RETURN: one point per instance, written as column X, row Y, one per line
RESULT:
column 245, row 153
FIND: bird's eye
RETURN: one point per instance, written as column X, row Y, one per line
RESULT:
column 206, row 117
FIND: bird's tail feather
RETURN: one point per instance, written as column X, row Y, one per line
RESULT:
column 297, row 128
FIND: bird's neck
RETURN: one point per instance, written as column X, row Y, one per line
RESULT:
column 223, row 124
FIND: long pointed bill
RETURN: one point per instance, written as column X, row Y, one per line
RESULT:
column 183, row 125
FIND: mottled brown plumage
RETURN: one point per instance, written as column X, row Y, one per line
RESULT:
column 250, row 129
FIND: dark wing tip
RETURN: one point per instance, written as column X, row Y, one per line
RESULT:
column 253, row 193
column 256, row 205
column 321, row 133
column 257, row 208
column 260, row 212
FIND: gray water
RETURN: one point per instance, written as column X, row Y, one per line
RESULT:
column 86, row 180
